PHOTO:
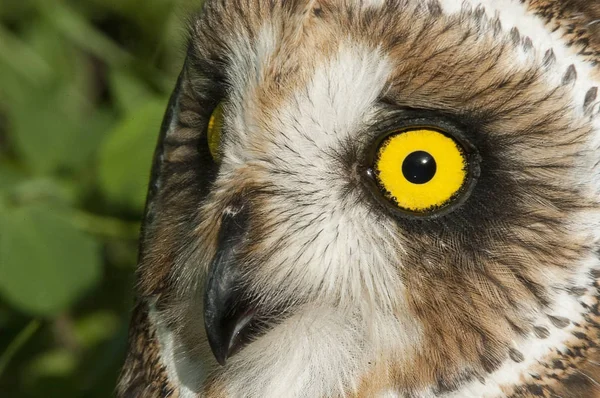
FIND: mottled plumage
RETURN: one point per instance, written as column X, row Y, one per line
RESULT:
column 495, row 297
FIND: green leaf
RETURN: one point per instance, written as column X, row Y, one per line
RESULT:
column 129, row 91
column 61, row 134
column 45, row 263
column 54, row 122
column 82, row 32
column 54, row 363
column 81, row 144
column 19, row 60
column 9, row 175
column 14, row 9
column 96, row 328
column 39, row 138
column 126, row 156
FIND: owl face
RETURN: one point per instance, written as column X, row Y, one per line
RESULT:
column 359, row 198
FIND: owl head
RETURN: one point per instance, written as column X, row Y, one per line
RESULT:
column 375, row 198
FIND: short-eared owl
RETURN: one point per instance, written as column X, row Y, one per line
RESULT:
column 376, row 198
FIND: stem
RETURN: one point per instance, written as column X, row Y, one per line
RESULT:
column 64, row 333
column 22, row 58
column 105, row 226
column 17, row 343
column 83, row 33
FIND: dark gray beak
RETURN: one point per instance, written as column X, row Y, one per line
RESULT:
column 227, row 314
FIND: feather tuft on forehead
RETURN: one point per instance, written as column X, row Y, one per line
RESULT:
column 392, row 198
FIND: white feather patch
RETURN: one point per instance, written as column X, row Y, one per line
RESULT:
column 180, row 369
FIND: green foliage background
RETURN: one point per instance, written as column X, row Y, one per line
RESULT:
column 83, row 87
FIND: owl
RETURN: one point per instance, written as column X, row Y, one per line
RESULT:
column 375, row 198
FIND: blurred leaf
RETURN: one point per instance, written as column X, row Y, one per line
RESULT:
column 53, row 126
column 41, row 139
column 105, row 226
column 21, row 58
column 64, row 60
column 45, row 263
column 75, row 77
column 78, row 30
column 81, row 32
column 126, row 156
column 9, row 176
column 96, row 328
column 122, row 254
column 44, row 190
column 129, row 92
column 58, row 136
column 13, row 9
column 55, row 363
column 5, row 317
column 149, row 18
column 82, row 143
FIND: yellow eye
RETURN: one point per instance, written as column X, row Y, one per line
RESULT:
column 420, row 170
column 213, row 133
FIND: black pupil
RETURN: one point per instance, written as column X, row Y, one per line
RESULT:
column 419, row 167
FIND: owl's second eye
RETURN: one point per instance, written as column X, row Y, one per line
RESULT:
column 420, row 170
column 213, row 133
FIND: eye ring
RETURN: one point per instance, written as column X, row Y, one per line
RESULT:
column 448, row 129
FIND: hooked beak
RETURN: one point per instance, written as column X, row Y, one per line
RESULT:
column 228, row 317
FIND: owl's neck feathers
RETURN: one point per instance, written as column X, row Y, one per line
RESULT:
column 557, row 354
